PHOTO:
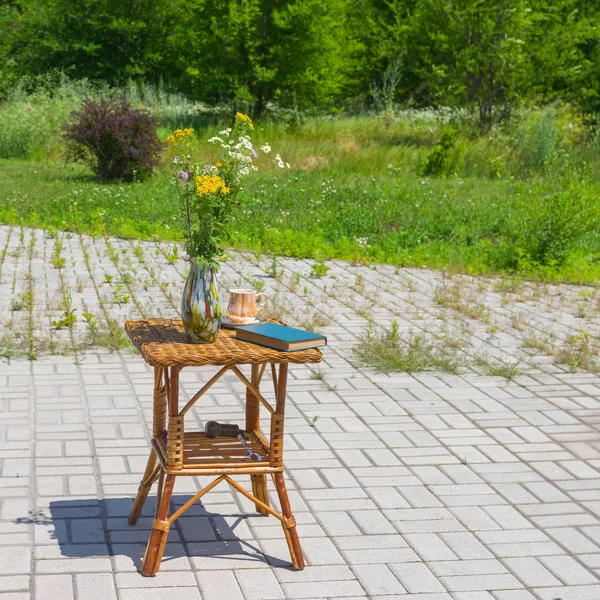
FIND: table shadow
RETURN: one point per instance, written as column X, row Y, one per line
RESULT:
column 90, row 527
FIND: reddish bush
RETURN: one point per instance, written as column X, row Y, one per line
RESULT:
column 116, row 140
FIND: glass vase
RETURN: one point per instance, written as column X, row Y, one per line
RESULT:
column 200, row 305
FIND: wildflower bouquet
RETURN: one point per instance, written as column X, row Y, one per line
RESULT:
column 208, row 192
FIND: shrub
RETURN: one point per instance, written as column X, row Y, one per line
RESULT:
column 115, row 139
column 553, row 219
column 540, row 139
column 443, row 158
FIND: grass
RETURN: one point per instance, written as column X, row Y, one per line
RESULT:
column 317, row 374
column 497, row 368
column 577, row 352
column 353, row 191
column 386, row 351
column 471, row 225
column 314, row 322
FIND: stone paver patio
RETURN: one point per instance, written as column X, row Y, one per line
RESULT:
column 430, row 486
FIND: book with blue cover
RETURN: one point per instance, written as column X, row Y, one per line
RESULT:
column 280, row 337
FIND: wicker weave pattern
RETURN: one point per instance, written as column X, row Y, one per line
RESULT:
column 159, row 424
column 277, row 439
column 163, row 343
column 175, row 442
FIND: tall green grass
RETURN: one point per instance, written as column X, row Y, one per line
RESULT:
column 535, row 140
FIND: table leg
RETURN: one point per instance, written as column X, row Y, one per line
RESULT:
column 259, row 482
column 289, row 523
column 159, row 424
column 160, row 527
column 145, row 485
column 259, row 489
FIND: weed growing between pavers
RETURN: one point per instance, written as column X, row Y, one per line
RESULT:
column 386, row 350
column 315, row 322
column 496, row 368
column 577, row 352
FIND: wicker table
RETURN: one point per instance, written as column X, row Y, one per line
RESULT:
column 163, row 345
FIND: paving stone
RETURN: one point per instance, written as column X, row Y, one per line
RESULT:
column 378, row 580
column 427, row 486
column 216, row 585
column 467, row 567
column 74, row 565
column 513, row 595
column 417, row 578
column 372, row 522
column 183, row 593
column 96, row 586
column 475, row 518
column 507, row 517
column 588, row 592
column 15, row 560
column 573, row 540
column 466, row 545
column 167, row 579
column 480, row 582
column 259, row 585
column 472, row 596
column 374, row 556
column 323, row 589
column 15, row 583
column 316, row 573
column 338, row 524
column 531, row 572
column 430, row 546
column 568, row 570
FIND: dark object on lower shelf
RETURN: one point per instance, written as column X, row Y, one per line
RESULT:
column 215, row 429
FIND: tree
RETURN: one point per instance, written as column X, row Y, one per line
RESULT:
column 251, row 52
column 8, row 21
column 565, row 52
column 473, row 54
column 109, row 40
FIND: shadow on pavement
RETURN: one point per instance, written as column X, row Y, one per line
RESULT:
column 99, row 528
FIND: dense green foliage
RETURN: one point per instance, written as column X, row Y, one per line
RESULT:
column 337, row 55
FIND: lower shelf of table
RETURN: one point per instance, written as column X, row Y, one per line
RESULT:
column 204, row 455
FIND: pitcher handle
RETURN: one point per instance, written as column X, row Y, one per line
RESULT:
column 259, row 308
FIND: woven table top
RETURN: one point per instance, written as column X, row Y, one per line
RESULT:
column 163, row 343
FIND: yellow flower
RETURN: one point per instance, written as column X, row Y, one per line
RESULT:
column 210, row 184
column 179, row 134
column 219, row 165
column 242, row 118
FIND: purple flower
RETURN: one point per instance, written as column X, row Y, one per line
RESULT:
column 184, row 175
column 254, row 153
